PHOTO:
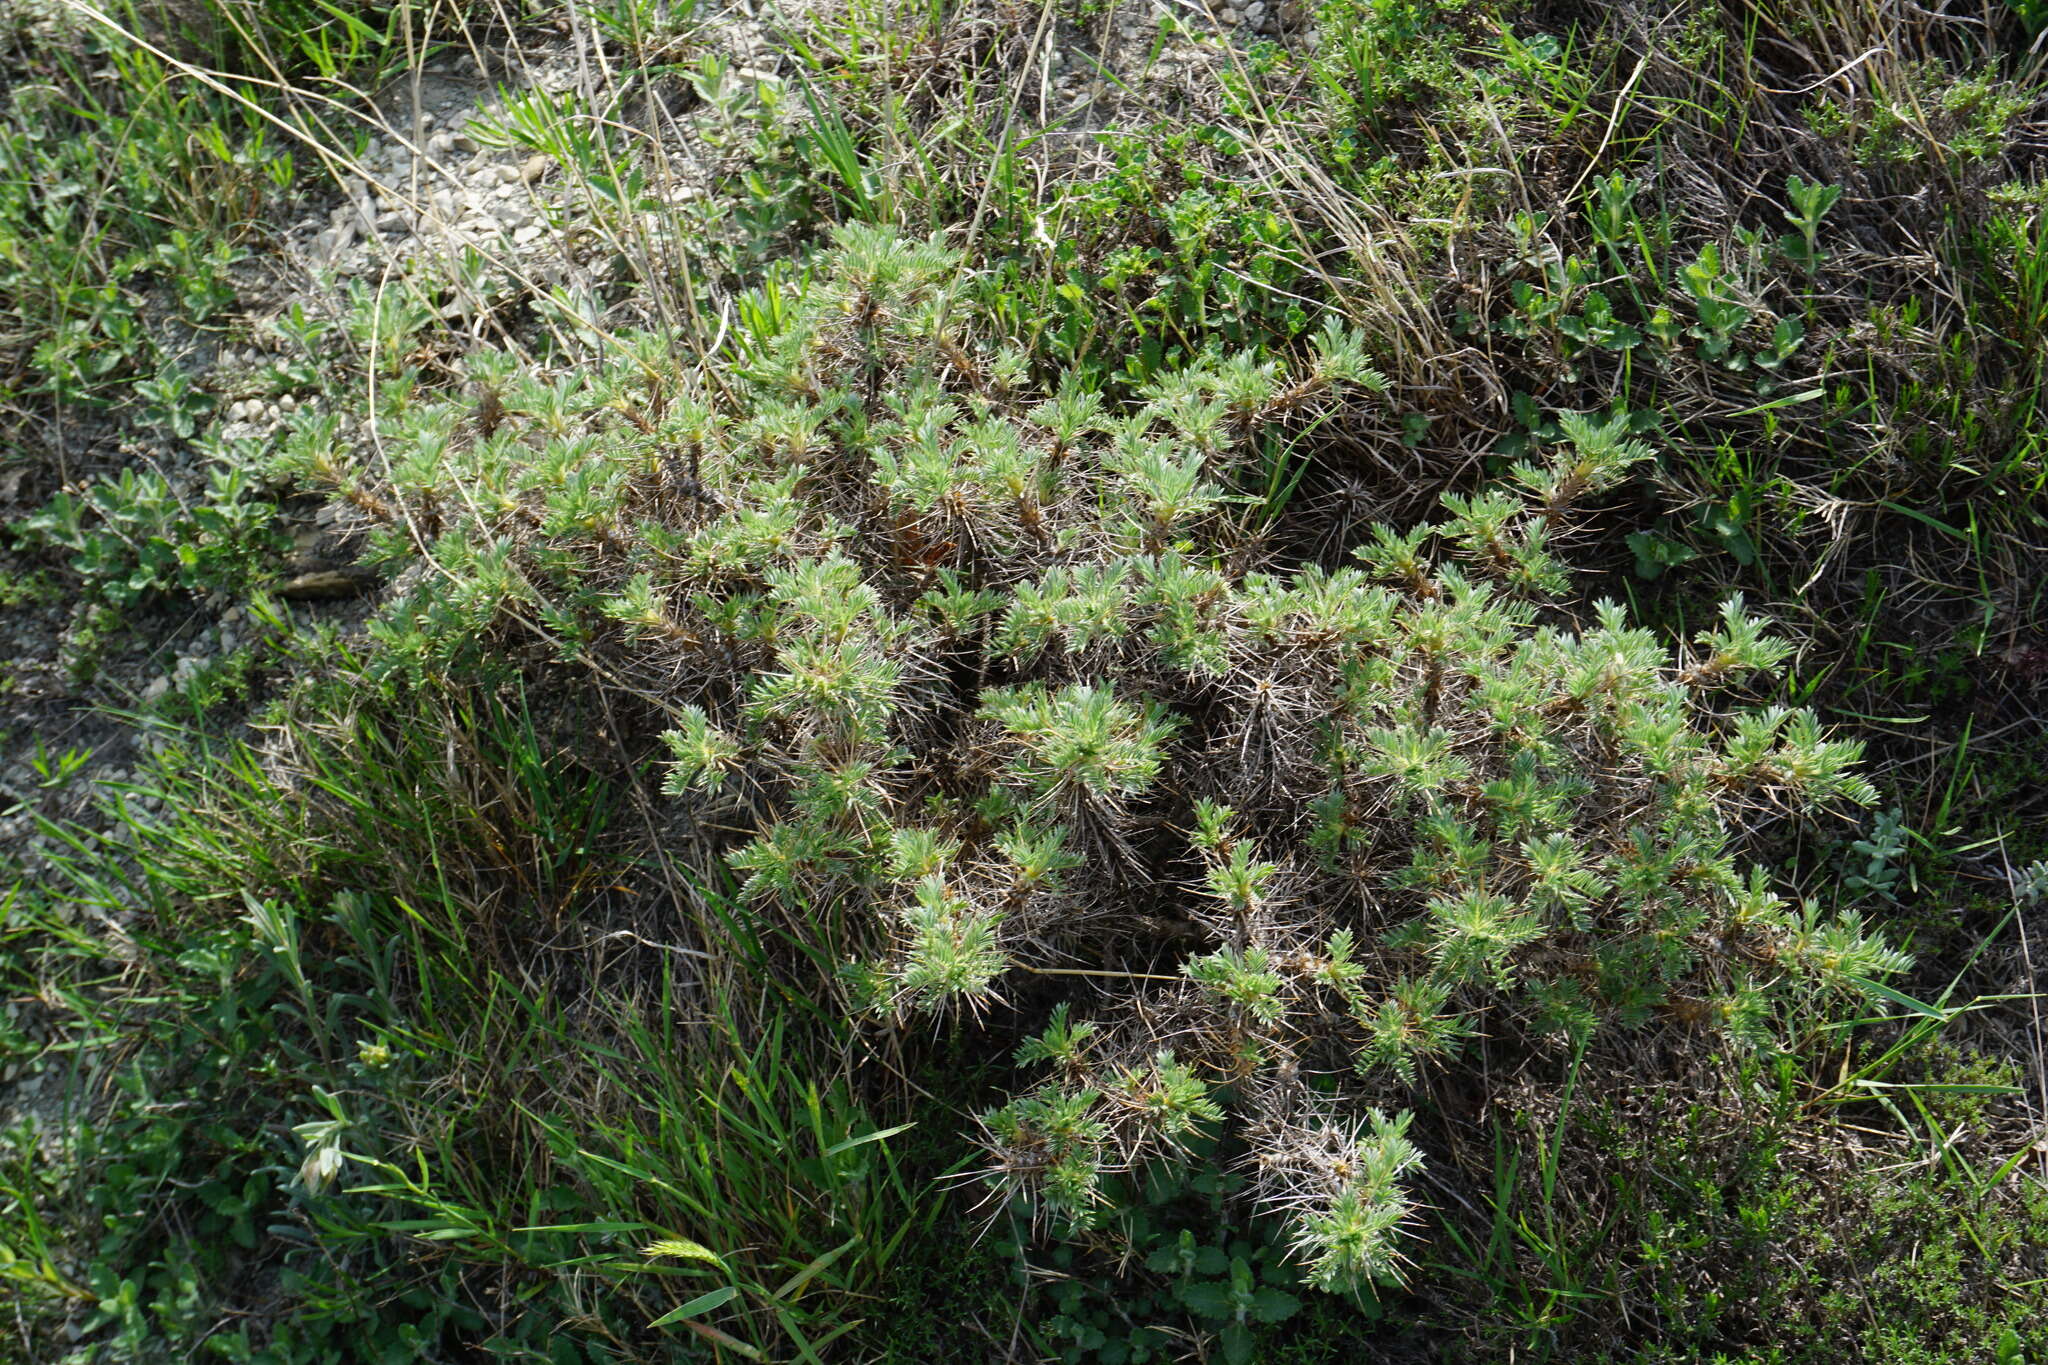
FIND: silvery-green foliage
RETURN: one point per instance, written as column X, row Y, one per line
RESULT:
column 1007, row 677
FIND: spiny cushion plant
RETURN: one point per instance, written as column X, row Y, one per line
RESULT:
column 1013, row 680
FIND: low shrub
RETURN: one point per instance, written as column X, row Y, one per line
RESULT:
column 1006, row 692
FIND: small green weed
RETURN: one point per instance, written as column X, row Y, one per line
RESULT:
column 1199, row 1284
column 131, row 536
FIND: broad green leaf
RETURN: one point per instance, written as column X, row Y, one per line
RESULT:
column 703, row 1303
